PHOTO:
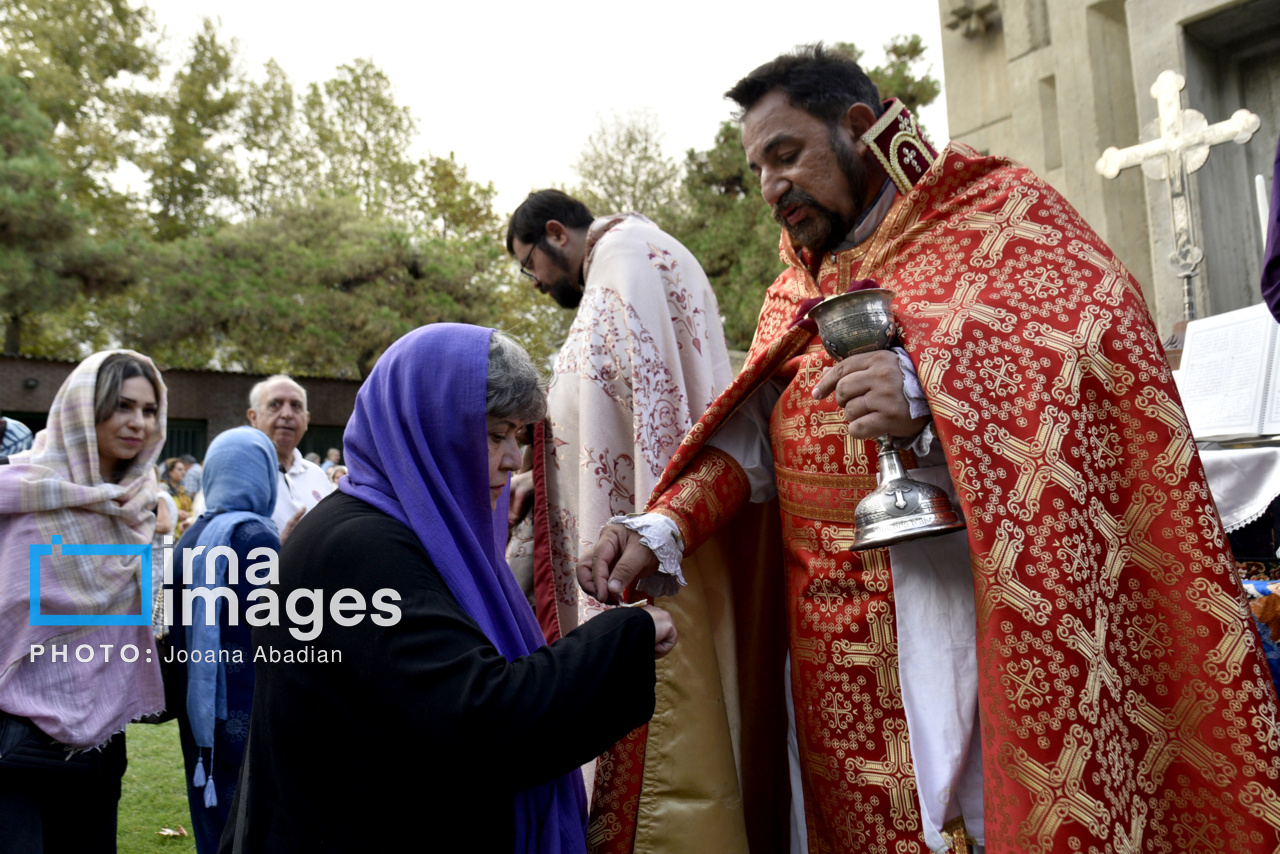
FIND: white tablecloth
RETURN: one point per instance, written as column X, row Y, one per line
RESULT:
column 1243, row 483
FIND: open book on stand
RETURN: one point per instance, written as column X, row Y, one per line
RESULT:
column 1229, row 375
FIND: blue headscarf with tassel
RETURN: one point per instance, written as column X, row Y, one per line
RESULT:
column 239, row 486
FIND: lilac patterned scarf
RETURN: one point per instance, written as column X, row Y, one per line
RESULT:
column 55, row 489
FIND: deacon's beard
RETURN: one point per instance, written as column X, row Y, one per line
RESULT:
column 566, row 288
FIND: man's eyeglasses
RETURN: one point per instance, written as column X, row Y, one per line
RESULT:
column 524, row 265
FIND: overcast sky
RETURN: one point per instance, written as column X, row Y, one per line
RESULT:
column 514, row 90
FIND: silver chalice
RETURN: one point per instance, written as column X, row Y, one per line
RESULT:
column 900, row 508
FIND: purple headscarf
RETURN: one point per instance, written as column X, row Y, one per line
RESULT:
column 416, row 449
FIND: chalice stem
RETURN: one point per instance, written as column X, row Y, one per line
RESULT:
column 899, row 508
column 890, row 460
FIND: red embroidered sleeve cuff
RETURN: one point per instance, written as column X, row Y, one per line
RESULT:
column 710, row 492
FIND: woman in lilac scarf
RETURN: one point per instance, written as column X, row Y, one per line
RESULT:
column 88, row 479
column 447, row 724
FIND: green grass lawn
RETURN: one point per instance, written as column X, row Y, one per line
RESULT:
column 154, row 793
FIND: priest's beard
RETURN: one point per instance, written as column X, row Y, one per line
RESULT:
column 825, row 229
column 566, row 287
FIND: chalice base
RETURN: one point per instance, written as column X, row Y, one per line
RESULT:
column 903, row 509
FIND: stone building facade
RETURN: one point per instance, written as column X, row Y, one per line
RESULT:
column 201, row 403
column 1053, row 83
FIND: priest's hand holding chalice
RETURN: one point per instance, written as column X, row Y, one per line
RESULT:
column 901, row 508
column 857, row 328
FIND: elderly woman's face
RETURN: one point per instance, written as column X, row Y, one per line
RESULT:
column 177, row 472
column 504, row 453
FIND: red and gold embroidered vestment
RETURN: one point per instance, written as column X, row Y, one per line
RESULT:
column 1125, row 705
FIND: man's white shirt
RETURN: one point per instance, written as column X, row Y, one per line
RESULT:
column 299, row 488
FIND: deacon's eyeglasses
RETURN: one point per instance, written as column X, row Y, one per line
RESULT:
column 524, row 265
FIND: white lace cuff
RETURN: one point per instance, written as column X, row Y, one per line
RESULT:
column 919, row 445
column 662, row 536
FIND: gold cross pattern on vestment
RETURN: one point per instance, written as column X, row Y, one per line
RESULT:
column 1057, row 790
column 894, row 773
column 1007, row 224
column 963, row 306
column 1174, row 735
column 1039, row 461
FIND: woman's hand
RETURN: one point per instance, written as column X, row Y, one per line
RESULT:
column 664, row 631
column 183, row 515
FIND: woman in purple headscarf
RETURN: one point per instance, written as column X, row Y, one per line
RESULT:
column 428, row 713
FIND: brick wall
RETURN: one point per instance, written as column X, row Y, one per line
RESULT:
column 218, row 399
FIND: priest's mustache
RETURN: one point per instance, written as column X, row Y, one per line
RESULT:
column 794, row 198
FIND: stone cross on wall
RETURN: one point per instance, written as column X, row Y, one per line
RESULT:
column 1180, row 146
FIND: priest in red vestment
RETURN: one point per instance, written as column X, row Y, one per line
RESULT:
column 1074, row 672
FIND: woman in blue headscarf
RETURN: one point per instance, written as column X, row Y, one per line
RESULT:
column 432, row 716
column 213, row 664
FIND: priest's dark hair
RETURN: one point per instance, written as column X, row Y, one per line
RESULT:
column 820, row 80
column 529, row 222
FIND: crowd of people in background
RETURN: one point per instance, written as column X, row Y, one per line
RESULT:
column 95, row 475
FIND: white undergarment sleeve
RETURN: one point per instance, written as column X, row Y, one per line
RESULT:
column 799, row 828
column 917, row 403
column 745, row 437
column 911, row 388
column 937, row 662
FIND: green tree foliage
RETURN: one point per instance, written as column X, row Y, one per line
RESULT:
column 730, row 230
column 358, row 141
column 79, row 61
column 34, row 218
column 900, row 77
column 344, row 240
column 622, row 167
column 46, row 259
column 348, row 136
column 725, row 221
column 274, row 171
column 452, row 206
column 319, row 289
column 193, row 165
